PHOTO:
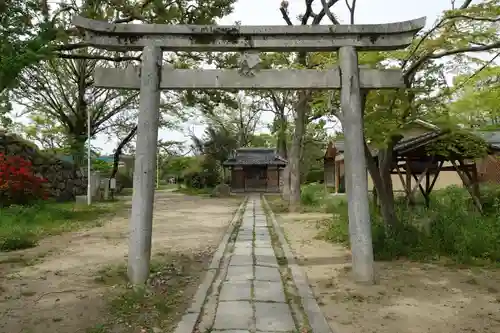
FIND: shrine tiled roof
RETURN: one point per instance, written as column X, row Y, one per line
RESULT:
column 255, row 156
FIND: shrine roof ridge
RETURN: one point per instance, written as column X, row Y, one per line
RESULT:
column 106, row 28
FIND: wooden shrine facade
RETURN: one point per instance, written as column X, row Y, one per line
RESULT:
column 415, row 168
column 255, row 170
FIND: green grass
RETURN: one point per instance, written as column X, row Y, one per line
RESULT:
column 160, row 304
column 313, row 198
column 22, row 227
column 451, row 228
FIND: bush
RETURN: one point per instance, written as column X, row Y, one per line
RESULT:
column 315, row 176
column 105, row 168
column 18, row 183
column 22, row 227
column 451, row 227
column 312, row 194
column 202, row 179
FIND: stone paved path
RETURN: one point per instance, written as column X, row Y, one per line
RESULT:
column 252, row 297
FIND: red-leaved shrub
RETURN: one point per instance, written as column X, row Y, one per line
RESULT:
column 18, row 183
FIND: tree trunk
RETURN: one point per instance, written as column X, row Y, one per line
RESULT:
column 283, row 152
column 301, row 112
column 382, row 181
column 119, row 149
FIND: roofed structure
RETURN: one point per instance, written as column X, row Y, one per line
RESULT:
column 255, row 170
column 412, row 159
column 255, row 156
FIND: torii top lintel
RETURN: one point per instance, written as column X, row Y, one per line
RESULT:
column 168, row 37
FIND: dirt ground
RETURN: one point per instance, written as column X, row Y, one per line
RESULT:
column 55, row 286
column 408, row 298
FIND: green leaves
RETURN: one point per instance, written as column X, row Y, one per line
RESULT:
column 476, row 97
column 26, row 30
column 459, row 143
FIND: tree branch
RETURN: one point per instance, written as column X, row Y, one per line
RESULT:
column 466, row 4
column 352, row 9
column 439, row 25
column 416, row 65
column 309, row 12
column 326, row 9
column 285, row 15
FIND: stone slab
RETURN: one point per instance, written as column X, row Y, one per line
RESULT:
column 243, row 250
column 266, row 261
column 187, row 323
column 274, row 317
column 316, row 319
column 239, row 273
column 236, row 291
column 245, row 235
column 242, row 244
column 259, row 228
column 267, row 274
column 263, row 243
column 264, row 251
column 244, row 238
column 202, row 291
column 233, row 315
column 241, row 260
column 268, row 291
column 262, row 237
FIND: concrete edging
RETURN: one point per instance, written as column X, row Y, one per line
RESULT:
column 315, row 316
column 190, row 318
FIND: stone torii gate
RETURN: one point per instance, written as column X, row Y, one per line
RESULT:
column 151, row 77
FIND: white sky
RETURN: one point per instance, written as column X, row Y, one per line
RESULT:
column 266, row 12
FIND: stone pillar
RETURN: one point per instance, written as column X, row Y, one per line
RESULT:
column 337, row 177
column 355, row 168
column 141, row 220
column 95, row 184
column 106, row 189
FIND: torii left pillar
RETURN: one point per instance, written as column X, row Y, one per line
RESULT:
column 141, row 220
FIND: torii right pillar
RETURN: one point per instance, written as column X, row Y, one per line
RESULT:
column 356, row 176
column 355, row 166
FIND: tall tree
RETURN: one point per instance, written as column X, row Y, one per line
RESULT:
column 302, row 106
column 456, row 35
column 34, row 30
column 63, row 90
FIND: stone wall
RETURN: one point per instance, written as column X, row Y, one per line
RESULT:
column 63, row 183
